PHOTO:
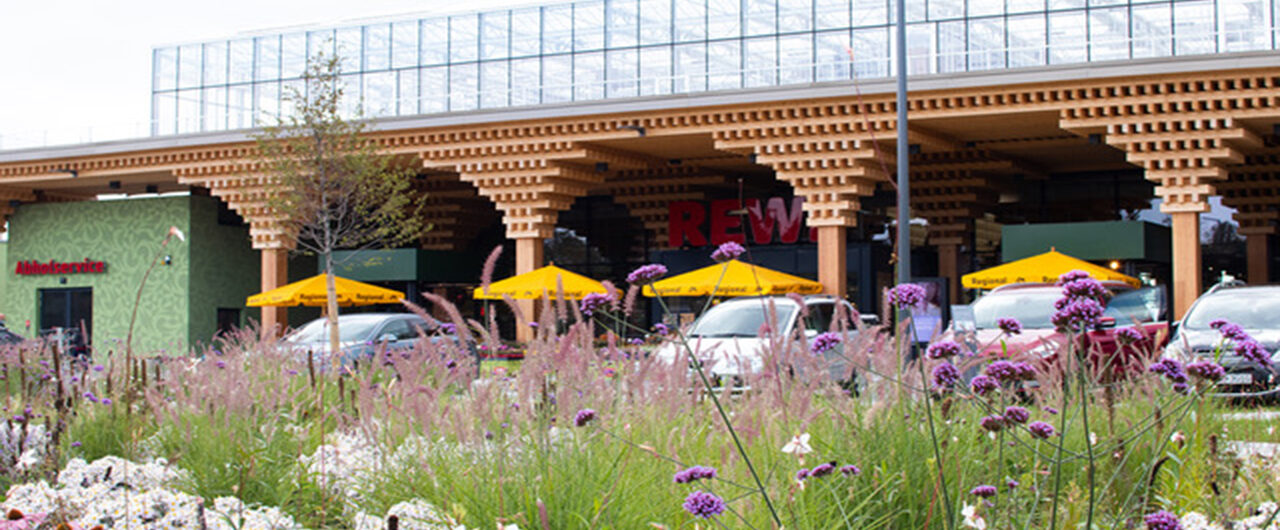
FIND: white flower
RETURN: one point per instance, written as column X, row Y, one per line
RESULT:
column 799, row 445
column 1093, row 439
column 1177, row 438
column 971, row 517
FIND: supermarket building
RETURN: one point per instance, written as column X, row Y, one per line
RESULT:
column 605, row 133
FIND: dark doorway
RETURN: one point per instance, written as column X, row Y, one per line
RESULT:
column 68, row 309
column 228, row 320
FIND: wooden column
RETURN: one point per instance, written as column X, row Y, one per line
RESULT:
column 529, row 257
column 275, row 273
column 949, row 268
column 1259, row 266
column 1186, row 260
column 833, row 270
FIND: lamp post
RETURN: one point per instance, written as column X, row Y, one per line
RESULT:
column 904, row 192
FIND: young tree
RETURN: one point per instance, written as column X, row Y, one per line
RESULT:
column 330, row 186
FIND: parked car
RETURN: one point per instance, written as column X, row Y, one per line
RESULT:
column 728, row 339
column 1257, row 310
column 9, row 337
column 1031, row 304
column 362, row 334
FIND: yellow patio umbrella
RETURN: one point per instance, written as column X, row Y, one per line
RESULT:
column 534, row 284
column 732, row 278
column 312, row 292
column 1041, row 268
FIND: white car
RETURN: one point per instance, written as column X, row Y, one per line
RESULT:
column 731, row 342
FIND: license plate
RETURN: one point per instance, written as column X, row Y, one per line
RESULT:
column 1237, row 379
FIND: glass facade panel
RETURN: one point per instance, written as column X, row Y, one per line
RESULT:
column 595, row 49
column 495, row 35
column 1026, row 41
column 761, row 61
column 464, row 86
column 404, row 44
column 690, row 20
column 655, row 70
column 724, row 65
column 1109, row 34
column 189, row 68
column 588, row 76
column 1192, row 32
column 494, row 84
column 526, row 78
column 215, row 64
column 240, row 61
column 433, row 37
column 464, row 37
column 655, row 22
column 380, row 94
column 433, row 90
column 377, row 47
column 557, row 29
column 624, row 23
column 724, row 19
column 164, row 69
column 526, row 32
column 557, row 78
column 795, row 59
column 831, row 14
column 352, row 105
column 1152, row 30
column 691, row 68
column 1067, row 37
column 761, row 17
column 291, row 61
column 831, row 55
column 588, row 25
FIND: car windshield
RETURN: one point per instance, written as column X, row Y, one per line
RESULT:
column 1251, row 310
column 349, row 330
column 1033, row 308
column 739, row 319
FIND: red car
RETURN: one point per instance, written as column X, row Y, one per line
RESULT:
column 1142, row 310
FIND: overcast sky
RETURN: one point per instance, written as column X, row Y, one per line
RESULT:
column 69, row 65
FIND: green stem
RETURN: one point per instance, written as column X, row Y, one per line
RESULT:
column 1062, row 442
column 1084, row 413
column 937, row 452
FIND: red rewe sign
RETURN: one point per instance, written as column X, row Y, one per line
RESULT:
column 688, row 220
column 30, row 268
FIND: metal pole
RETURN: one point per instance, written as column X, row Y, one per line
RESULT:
column 904, row 192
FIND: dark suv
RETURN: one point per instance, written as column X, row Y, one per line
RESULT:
column 1257, row 310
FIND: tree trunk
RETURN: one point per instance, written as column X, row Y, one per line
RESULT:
column 331, row 309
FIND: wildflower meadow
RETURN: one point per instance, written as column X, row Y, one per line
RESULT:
column 591, row 431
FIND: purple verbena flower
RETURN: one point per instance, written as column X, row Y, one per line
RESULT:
column 1207, row 370
column 1002, row 371
column 907, row 296
column 1010, row 483
column 1077, row 315
column 1163, row 520
column 992, row 423
column 593, row 302
column 728, row 251
column 1040, row 429
column 802, row 474
column 1085, row 288
column 636, row 341
column 822, row 470
column 661, row 329
column 704, row 505
column 825, row 341
column 105, row 401
column 1217, row 323
column 1171, row 369
column 694, row 473
column 1016, row 414
column 1251, row 350
column 1009, row 325
column 945, row 376
column 943, row 350
column 1234, row 332
column 1071, row 276
column 76, row 444
column 850, row 470
column 647, row 274
column 584, row 417
column 984, row 491
column 1128, row 335
column 1049, row 410
column 982, row 385
column 449, row 328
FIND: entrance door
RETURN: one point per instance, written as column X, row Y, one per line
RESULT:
column 68, row 309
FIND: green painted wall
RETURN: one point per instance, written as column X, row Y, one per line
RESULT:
column 224, row 269
column 1097, row 241
column 215, row 267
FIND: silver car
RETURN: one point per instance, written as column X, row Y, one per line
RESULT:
column 1254, row 308
column 361, row 334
